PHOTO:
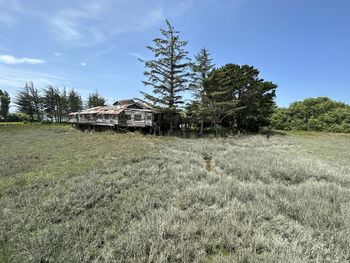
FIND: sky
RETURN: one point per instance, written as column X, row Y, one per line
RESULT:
column 301, row 45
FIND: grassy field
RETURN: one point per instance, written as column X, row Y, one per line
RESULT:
column 69, row 196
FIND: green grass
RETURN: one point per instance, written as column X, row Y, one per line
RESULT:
column 69, row 196
column 11, row 123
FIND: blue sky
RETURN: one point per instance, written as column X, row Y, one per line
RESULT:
column 301, row 45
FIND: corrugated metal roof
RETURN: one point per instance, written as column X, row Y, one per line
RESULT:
column 116, row 109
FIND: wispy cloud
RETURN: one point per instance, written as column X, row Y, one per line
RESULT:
column 57, row 54
column 13, row 79
column 93, row 23
column 9, row 59
column 77, row 26
column 83, row 64
column 7, row 21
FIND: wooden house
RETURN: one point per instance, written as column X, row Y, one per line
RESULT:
column 124, row 114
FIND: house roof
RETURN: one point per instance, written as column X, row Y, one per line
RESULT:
column 129, row 102
column 117, row 108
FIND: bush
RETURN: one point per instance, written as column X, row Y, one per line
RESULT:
column 313, row 114
column 19, row 117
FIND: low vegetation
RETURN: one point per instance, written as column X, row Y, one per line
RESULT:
column 313, row 114
column 69, row 196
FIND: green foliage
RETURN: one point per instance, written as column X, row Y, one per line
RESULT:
column 30, row 101
column 20, row 117
column 237, row 97
column 201, row 67
column 95, row 99
column 313, row 114
column 4, row 104
column 52, row 101
column 167, row 74
column 74, row 101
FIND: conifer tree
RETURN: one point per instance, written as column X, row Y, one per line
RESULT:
column 63, row 105
column 201, row 67
column 4, row 104
column 95, row 99
column 238, row 97
column 74, row 101
column 167, row 74
column 29, row 101
column 52, row 102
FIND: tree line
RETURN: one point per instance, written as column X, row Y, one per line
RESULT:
column 313, row 114
column 33, row 103
column 231, row 96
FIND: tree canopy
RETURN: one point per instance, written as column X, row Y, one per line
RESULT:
column 168, row 73
column 4, row 104
column 95, row 99
column 313, row 114
column 236, row 97
column 74, row 101
column 30, row 102
column 201, row 68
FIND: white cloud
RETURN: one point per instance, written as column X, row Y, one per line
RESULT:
column 92, row 23
column 57, row 54
column 83, row 64
column 8, row 59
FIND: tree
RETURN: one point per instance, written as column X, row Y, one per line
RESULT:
column 167, row 74
column 314, row 114
column 74, row 101
column 23, row 102
column 29, row 101
column 52, row 102
column 95, row 99
column 217, row 104
column 4, row 104
column 36, row 100
column 63, row 105
column 201, row 67
column 240, row 97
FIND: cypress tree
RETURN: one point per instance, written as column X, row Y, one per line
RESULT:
column 167, row 74
column 74, row 101
column 4, row 104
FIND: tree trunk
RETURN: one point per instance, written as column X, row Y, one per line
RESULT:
column 171, row 130
column 201, row 128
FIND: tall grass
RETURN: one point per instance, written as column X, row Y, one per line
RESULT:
column 68, row 196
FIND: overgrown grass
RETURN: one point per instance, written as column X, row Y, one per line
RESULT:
column 69, row 196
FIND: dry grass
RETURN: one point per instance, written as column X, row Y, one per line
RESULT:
column 67, row 196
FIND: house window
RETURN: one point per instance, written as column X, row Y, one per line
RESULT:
column 128, row 117
column 149, row 117
column 137, row 117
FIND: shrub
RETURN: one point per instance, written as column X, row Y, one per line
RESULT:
column 313, row 114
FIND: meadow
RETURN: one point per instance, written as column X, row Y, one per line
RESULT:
column 70, row 196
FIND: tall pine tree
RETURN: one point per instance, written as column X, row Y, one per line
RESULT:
column 201, row 67
column 168, row 73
